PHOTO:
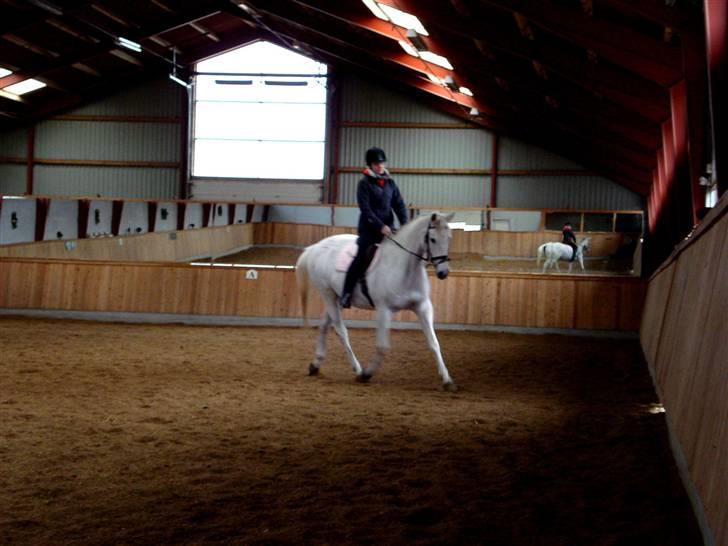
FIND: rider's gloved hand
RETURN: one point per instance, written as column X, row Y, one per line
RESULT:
column 386, row 231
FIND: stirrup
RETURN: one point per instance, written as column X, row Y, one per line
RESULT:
column 345, row 301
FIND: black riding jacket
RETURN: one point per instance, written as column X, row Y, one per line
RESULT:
column 569, row 237
column 377, row 204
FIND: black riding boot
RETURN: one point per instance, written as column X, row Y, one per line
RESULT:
column 353, row 274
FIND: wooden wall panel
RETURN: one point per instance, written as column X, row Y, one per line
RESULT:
column 683, row 332
column 551, row 301
column 150, row 247
column 486, row 243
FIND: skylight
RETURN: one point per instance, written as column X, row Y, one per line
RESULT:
column 4, row 72
column 403, row 19
column 434, row 58
column 375, row 9
column 26, row 86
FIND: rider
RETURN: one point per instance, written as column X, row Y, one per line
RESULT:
column 569, row 239
column 378, row 196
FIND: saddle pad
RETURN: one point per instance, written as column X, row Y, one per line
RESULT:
column 347, row 254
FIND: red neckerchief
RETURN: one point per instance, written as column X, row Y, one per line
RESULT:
column 379, row 179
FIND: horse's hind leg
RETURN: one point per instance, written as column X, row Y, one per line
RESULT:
column 425, row 314
column 313, row 368
column 334, row 312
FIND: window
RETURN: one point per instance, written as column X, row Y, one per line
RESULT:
column 598, row 221
column 555, row 220
column 260, row 112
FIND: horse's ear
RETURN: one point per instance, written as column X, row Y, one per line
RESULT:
column 449, row 217
column 433, row 217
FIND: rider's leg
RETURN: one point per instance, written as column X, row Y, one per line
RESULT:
column 354, row 272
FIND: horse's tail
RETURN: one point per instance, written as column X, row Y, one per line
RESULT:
column 302, row 281
column 540, row 254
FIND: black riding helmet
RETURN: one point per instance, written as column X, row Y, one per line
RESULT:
column 375, row 155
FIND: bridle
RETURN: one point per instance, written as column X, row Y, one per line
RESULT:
column 428, row 257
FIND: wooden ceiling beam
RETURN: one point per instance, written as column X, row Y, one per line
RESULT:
column 106, row 44
column 617, row 85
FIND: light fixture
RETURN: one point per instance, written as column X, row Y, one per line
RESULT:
column 434, row 79
column 375, row 9
column 402, row 18
column 466, row 91
column 5, row 72
column 26, row 86
column 449, row 82
column 180, row 81
column 474, row 112
column 124, row 42
column 416, row 40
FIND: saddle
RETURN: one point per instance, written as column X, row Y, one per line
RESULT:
column 346, row 256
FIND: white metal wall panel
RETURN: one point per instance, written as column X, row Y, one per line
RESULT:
column 14, row 143
column 160, row 98
column 61, row 221
column 418, row 148
column 12, row 179
column 129, row 182
column 193, row 216
column 583, row 192
column 241, row 214
column 120, row 141
column 17, row 221
column 365, row 101
column 134, row 218
column 99, row 218
column 430, row 190
column 514, row 154
column 169, row 222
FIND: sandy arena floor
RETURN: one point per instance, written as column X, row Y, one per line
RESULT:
column 126, row 434
column 263, row 255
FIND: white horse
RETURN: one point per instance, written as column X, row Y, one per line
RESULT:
column 398, row 281
column 559, row 251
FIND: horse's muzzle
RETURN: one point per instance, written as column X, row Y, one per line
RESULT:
column 442, row 275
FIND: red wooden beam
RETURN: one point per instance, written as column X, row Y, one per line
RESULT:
column 687, row 188
column 716, row 21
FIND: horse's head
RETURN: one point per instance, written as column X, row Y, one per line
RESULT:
column 437, row 242
column 585, row 244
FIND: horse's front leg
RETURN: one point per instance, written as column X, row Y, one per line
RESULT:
column 425, row 314
column 384, row 321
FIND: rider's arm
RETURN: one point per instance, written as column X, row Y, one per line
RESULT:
column 398, row 206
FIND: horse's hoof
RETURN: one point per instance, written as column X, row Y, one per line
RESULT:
column 450, row 387
column 363, row 377
column 312, row 370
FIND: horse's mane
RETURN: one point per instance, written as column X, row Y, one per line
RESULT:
column 412, row 226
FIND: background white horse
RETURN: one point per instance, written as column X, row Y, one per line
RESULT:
column 397, row 282
column 553, row 252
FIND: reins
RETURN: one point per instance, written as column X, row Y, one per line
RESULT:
column 434, row 260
